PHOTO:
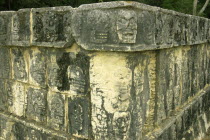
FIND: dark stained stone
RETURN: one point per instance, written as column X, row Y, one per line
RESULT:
column 51, row 27
column 79, row 119
column 21, row 28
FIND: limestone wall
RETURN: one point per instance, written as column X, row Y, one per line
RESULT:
column 109, row 71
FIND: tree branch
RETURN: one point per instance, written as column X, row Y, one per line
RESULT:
column 204, row 7
column 195, row 3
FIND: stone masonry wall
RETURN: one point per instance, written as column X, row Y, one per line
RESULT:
column 107, row 71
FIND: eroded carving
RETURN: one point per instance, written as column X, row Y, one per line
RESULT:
column 121, row 124
column 99, row 31
column 76, row 79
column 50, row 27
column 127, row 26
column 57, row 111
column 36, row 104
column 15, row 28
column 78, row 116
column 38, row 67
column 19, row 65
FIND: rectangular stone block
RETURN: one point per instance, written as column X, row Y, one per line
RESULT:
column 164, row 29
column 79, row 116
column 37, row 66
column 52, row 27
column 5, row 27
column 21, row 33
column 20, row 64
column 5, row 65
column 15, row 98
column 36, row 104
column 3, row 99
column 56, row 112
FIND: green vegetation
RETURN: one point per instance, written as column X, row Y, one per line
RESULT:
column 184, row 6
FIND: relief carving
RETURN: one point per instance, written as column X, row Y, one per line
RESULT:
column 37, row 67
column 36, row 104
column 9, row 95
column 127, row 26
column 57, row 111
column 99, row 31
column 77, row 115
column 19, row 65
column 16, row 28
column 50, row 29
column 76, row 79
column 121, row 124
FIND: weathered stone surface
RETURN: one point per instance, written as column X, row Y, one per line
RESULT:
column 5, row 128
column 3, row 99
column 56, row 115
column 21, row 33
column 110, row 96
column 169, row 78
column 37, row 66
column 5, row 68
column 20, row 64
column 79, row 116
column 36, row 104
column 51, row 27
column 5, row 27
column 15, row 97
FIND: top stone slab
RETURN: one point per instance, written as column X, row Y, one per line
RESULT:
column 132, row 26
column 108, row 26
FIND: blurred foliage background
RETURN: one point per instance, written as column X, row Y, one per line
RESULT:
column 184, row 6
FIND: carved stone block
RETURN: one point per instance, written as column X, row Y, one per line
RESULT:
column 15, row 98
column 37, row 66
column 51, row 27
column 21, row 28
column 36, row 104
column 164, row 26
column 3, row 99
column 79, row 119
column 5, row 68
column 56, row 115
column 5, row 27
column 19, row 64
column 124, row 29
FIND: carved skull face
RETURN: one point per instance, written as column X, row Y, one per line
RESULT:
column 127, row 26
column 76, row 79
column 57, row 112
column 121, row 123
